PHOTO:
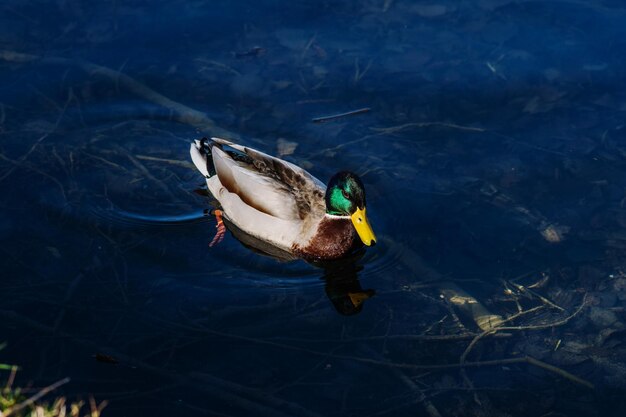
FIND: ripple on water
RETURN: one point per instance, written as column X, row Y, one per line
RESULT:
column 233, row 264
column 382, row 259
column 173, row 216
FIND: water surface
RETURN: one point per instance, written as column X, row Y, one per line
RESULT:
column 493, row 155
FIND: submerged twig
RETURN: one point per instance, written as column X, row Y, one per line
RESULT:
column 407, row 337
column 430, row 408
column 494, row 330
column 68, row 296
column 557, row 323
column 145, row 172
column 38, row 171
column 358, row 74
column 217, row 64
column 531, row 293
column 394, row 129
column 559, row 371
column 340, row 115
column 176, row 162
column 23, row 158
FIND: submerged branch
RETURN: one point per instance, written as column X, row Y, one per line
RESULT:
column 532, row 361
column 182, row 113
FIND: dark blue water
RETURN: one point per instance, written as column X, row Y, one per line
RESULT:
column 493, row 156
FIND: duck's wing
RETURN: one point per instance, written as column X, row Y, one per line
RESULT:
column 270, row 185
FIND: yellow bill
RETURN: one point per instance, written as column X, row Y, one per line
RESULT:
column 363, row 228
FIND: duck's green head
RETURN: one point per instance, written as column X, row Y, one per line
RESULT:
column 345, row 196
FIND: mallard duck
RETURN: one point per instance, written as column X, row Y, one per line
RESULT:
column 282, row 204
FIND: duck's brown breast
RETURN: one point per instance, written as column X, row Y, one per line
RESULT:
column 335, row 238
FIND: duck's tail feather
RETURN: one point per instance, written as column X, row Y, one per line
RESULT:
column 202, row 156
column 235, row 152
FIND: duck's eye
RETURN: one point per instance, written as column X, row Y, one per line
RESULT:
column 345, row 194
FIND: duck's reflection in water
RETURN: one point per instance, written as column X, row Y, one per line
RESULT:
column 342, row 283
column 341, row 276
